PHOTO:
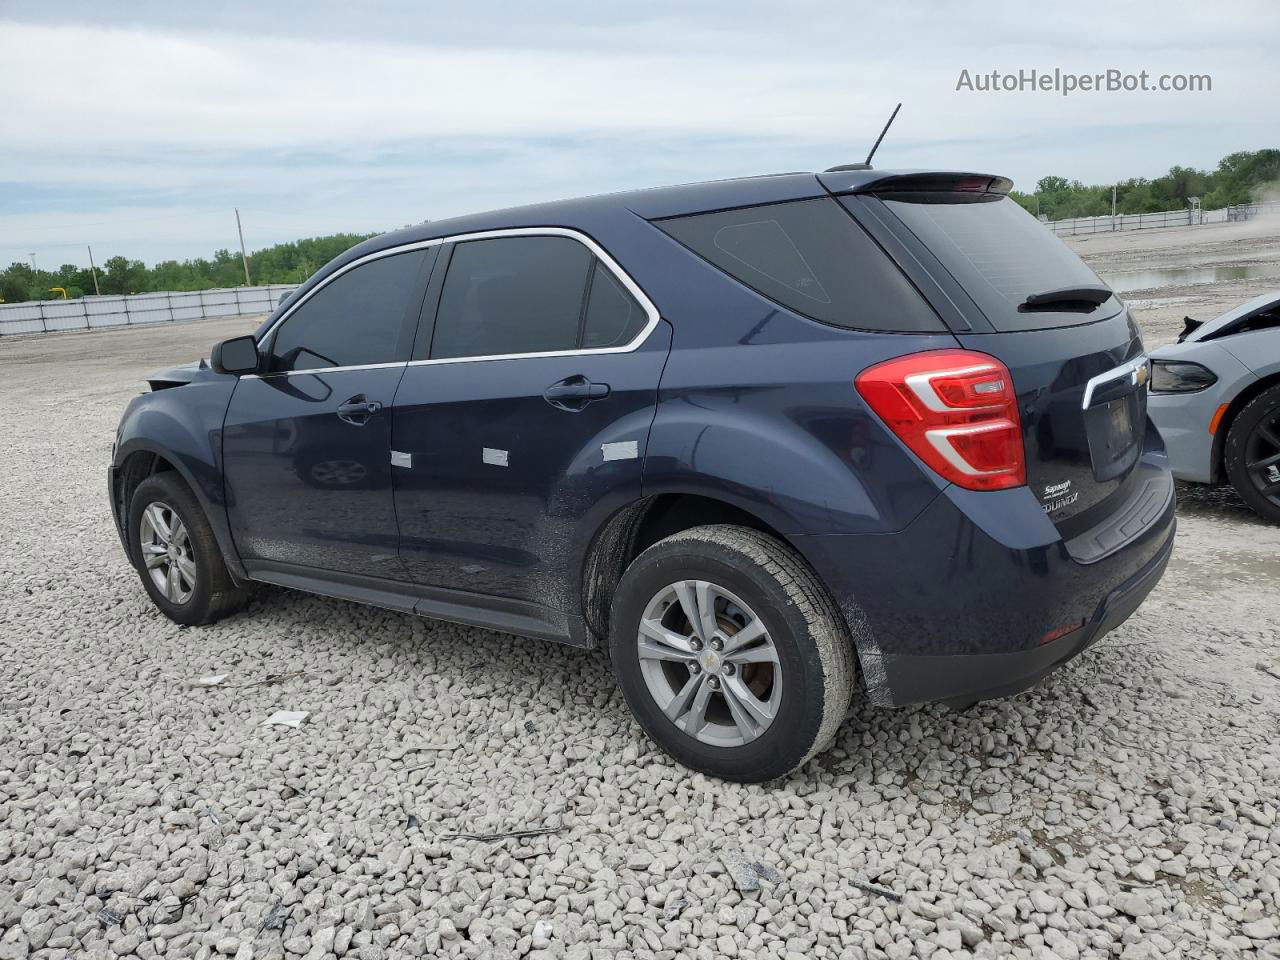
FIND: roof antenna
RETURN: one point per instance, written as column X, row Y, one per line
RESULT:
column 866, row 164
column 888, row 124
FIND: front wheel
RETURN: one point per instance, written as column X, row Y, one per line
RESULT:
column 176, row 554
column 1252, row 454
column 730, row 653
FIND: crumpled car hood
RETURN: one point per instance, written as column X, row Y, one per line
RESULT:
column 197, row 370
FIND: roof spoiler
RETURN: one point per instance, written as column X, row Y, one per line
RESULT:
column 941, row 183
column 915, row 181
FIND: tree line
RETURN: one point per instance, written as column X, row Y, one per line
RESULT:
column 290, row 262
column 1244, row 177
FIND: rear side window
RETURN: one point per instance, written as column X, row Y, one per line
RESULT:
column 362, row 317
column 1001, row 255
column 809, row 256
column 517, row 295
column 613, row 316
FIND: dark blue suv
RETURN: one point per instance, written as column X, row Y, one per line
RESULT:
column 771, row 441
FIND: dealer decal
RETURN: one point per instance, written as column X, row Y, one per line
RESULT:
column 1059, row 495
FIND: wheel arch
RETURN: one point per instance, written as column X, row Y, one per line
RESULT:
column 644, row 522
column 1218, row 458
column 140, row 458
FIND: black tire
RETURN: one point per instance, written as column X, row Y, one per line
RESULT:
column 1255, row 435
column 214, row 594
column 814, row 653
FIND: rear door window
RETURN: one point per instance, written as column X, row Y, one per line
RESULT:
column 510, row 295
column 811, row 257
column 505, row 296
column 1001, row 255
column 362, row 317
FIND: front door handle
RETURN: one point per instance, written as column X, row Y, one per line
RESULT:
column 358, row 410
column 574, row 393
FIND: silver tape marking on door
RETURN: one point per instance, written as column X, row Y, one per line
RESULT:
column 497, row 458
column 622, row 450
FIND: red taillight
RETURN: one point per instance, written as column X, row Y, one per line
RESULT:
column 956, row 410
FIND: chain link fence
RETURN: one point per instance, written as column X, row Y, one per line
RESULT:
column 88, row 313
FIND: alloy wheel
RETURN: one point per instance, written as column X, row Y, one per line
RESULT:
column 167, row 552
column 709, row 663
column 1262, row 456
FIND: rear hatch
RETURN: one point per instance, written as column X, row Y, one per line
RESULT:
column 1009, row 288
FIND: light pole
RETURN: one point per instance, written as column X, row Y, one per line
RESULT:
column 243, row 256
column 94, row 271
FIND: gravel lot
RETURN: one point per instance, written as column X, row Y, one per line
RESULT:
column 1127, row 807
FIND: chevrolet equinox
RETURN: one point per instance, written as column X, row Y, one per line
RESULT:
column 773, row 442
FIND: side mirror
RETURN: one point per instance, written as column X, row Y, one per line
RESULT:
column 239, row 355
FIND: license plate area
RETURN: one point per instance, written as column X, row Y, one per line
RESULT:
column 1112, row 429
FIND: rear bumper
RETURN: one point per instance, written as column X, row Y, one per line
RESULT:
column 966, row 678
column 981, row 597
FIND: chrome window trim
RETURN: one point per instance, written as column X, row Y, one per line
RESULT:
column 1129, row 368
column 609, row 263
column 312, row 370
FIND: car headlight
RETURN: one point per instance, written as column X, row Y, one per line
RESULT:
column 1179, row 376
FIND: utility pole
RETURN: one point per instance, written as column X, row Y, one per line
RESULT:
column 243, row 256
column 1113, row 200
column 94, row 271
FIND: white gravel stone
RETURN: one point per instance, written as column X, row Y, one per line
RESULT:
column 1097, row 815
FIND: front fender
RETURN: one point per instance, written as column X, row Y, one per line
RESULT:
column 183, row 425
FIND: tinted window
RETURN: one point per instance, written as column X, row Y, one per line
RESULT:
column 613, row 315
column 361, row 317
column 512, row 295
column 812, row 257
column 1000, row 254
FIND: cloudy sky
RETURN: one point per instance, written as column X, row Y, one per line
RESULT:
column 138, row 126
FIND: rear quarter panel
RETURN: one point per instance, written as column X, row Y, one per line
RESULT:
column 757, row 408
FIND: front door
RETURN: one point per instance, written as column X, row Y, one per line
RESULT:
column 306, row 443
column 524, row 418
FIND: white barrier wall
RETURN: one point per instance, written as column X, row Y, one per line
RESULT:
column 85, row 313
column 1162, row 218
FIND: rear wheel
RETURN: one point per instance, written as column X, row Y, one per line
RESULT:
column 730, row 653
column 1252, row 453
column 176, row 554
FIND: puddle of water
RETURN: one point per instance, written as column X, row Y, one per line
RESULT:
column 1124, row 280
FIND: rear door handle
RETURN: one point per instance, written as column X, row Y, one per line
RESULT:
column 358, row 410
column 574, row 393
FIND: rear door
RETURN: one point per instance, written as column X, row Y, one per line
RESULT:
column 524, row 416
column 1016, row 292
column 306, row 443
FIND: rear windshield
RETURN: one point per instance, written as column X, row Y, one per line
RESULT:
column 1001, row 255
column 811, row 257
